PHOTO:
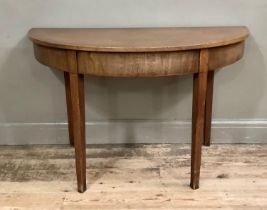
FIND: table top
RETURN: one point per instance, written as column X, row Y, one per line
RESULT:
column 138, row 39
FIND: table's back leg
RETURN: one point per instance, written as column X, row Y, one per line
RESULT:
column 69, row 106
column 208, row 109
column 198, row 116
column 78, row 120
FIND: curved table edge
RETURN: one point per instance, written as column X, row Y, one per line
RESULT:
column 139, row 49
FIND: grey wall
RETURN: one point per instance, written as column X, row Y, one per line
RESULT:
column 32, row 106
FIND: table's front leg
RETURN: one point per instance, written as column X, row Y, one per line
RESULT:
column 78, row 122
column 198, row 116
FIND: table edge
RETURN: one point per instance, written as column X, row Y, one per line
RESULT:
column 139, row 49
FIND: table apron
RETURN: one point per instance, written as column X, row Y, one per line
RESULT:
column 136, row 64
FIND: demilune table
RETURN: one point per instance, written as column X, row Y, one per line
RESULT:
column 139, row 52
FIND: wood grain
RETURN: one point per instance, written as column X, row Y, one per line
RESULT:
column 133, row 177
column 223, row 56
column 198, row 114
column 78, row 121
column 56, row 58
column 134, row 61
column 142, row 64
column 138, row 39
column 139, row 53
column 138, row 64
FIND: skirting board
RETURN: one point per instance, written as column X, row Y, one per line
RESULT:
column 133, row 131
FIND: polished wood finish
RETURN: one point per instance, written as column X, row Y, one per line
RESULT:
column 139, row 64
column 208, row 109
column 78, row 120
column 56, row 58
column 138, row 39
column 198, row 114
column 143, row 52
column 223, row 56
column 52, row 46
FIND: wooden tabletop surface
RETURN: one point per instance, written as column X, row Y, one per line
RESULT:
column 138, row 39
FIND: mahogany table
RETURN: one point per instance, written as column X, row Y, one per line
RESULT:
column 139, row 52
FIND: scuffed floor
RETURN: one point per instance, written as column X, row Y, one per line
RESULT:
column 133, row 177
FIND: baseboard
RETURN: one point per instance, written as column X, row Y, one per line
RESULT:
column 133, row 131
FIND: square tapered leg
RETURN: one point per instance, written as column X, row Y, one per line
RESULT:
column 198, row 117
column 78, row 122
column 197, row 126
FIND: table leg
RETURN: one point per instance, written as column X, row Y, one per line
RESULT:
column 69, row 107
column 208, row 109
column 199, row 94
column 78, row 120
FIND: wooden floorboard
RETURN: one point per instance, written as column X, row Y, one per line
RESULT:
column 133, row 177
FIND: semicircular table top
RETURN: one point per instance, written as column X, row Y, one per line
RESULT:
column 138, row 39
